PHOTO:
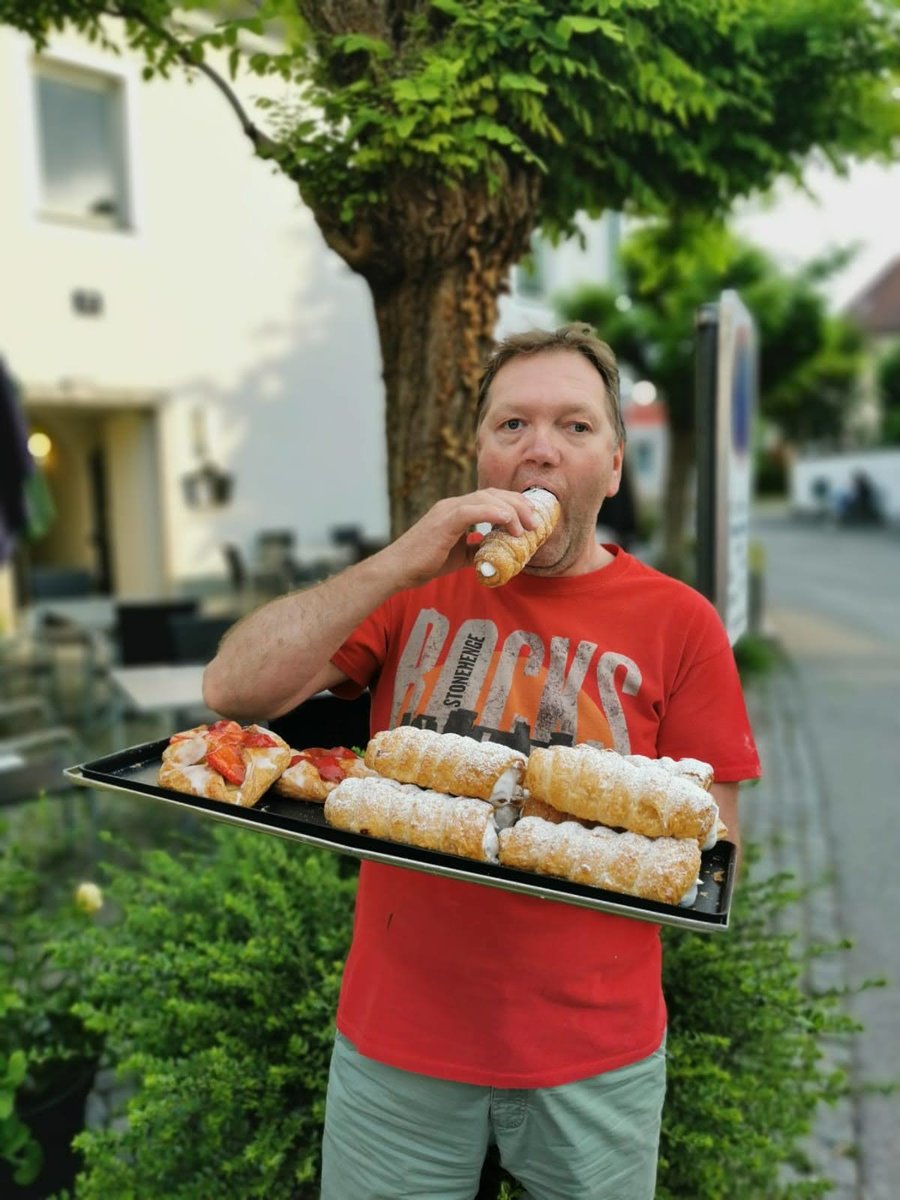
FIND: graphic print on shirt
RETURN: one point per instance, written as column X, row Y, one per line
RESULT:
column 521, row 691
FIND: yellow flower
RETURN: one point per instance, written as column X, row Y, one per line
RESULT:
column 88, row 897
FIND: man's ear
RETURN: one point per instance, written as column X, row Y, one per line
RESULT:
column 616, row 478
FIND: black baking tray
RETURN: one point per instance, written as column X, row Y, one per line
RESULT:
column 134, row 771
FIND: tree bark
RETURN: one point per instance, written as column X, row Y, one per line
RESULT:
column 436, row 259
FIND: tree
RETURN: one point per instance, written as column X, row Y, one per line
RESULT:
column 429, row 137
column 809, row 360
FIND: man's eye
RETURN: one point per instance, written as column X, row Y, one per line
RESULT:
column 512, row 423
column 580, row 427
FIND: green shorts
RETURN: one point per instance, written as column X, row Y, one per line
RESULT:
column 394, row 1135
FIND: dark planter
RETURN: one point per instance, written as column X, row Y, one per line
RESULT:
column 54, row 1120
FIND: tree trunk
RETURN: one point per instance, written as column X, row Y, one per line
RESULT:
column 436, row 260
column 681, row 464
column 435, row 333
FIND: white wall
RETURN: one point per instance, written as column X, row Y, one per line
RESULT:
column 881, row 466
column 223, row 297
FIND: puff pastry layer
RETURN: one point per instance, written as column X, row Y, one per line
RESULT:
column 185, row 766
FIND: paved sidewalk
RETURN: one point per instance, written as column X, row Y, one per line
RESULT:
column 784, row 815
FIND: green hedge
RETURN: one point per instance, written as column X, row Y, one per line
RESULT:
column 216, row 990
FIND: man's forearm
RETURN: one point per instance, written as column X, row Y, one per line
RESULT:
column 268, row 662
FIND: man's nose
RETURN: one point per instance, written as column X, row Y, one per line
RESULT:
column 542, row 446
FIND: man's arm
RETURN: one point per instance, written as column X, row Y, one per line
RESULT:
column 726, row 796
column 278, row 656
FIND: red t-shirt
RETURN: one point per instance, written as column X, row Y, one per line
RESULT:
column 483, row 986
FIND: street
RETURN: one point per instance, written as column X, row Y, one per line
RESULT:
column 833, row 602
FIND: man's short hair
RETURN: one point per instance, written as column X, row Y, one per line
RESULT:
column 577, row 336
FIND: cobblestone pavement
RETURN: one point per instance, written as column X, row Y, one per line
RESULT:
column 782, row 815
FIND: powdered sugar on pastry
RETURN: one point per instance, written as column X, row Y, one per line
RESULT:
column 691, row 768
column 447, row 762
column 384, row 808
column 661, row 869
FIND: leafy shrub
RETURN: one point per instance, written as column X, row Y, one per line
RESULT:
column 216, row 992
column 746, row 1056
column 46, row 1053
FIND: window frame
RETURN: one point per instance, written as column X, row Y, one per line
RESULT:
column 96, row 77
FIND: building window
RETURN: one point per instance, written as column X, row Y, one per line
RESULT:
column 81, row 145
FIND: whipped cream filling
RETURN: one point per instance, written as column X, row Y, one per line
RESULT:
column 487, row 569
column 507, row 785
column 491, row 843
column 690, row 897
column 713, row 837
column 506, row 815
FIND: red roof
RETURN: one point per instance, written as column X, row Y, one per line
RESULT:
column 877, row 307
column 644, row 414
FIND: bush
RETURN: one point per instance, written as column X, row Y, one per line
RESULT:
column 746, row 1056
column 217, row 990
column 46, row 1053
column 216, row 993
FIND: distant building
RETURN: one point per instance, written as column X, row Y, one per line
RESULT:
column 877, row 308
column 647, row 426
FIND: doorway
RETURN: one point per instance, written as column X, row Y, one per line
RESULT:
column 103, row 474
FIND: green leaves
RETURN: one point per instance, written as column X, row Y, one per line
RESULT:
column 567, row 26
column 629, row 104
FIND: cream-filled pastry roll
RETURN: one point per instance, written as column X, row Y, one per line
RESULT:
column 447, row 762
column 501, row 556
column 399, row 812
column 662, row 869
column 601, row 785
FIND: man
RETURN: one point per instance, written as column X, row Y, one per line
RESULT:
column 469, row 1014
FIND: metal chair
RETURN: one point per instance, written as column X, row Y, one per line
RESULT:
column 144, row 630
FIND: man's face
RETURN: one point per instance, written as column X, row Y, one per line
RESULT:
column 546, row 424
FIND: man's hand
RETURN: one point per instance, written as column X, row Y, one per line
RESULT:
column 437, row 543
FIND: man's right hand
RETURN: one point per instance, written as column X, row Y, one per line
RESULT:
column 438, row 542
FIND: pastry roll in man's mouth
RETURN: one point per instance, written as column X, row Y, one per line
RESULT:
column 398, row 812
column 662, row 869
column 502, row 555
column 447, row 762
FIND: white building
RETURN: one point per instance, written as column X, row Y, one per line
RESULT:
column 169, row 305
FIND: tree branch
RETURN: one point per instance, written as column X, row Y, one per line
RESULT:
column 265, row 146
